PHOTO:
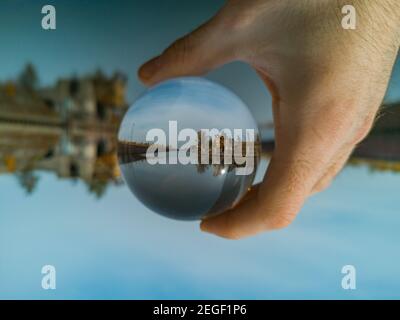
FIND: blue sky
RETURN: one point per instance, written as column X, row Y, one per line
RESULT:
column 193, row 103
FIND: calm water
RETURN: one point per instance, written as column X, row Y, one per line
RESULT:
column 106, row 244
column 186, row 192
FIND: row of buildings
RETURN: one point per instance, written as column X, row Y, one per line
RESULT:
column 68, row 128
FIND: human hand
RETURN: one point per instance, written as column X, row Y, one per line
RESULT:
column 327, row 84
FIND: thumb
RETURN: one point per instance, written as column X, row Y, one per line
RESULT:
column 204, row 49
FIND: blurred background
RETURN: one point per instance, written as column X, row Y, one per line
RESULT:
column 63, row 201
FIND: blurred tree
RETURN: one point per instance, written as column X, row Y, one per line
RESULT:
column 98, row 188
column 28, row 78
column 28, row 180
column 10, row 89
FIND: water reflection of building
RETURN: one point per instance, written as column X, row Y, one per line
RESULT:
column 68, row 129
column 210, row 152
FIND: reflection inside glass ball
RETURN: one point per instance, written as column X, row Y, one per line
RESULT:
column 188, row 148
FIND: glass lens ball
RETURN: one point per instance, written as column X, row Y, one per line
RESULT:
column 188, row 148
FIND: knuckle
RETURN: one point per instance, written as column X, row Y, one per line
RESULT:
column 362, row 132
column 231, row 231
column 298, row 174
column 282, row 213
column 231, row 235
column 229, row 228
column 280, row 221
column 321, row 186
column 180, row 50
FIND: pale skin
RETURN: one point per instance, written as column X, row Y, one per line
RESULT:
column 327, row 84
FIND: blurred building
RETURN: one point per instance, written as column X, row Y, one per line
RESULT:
column 94, row 97
column 69, row 129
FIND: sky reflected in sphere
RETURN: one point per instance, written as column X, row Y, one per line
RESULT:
column 186, row 191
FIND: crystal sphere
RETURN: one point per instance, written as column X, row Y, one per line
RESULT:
column 182, row 121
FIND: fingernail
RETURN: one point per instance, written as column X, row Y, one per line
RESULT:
column 204, row 226
column 150, row 68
